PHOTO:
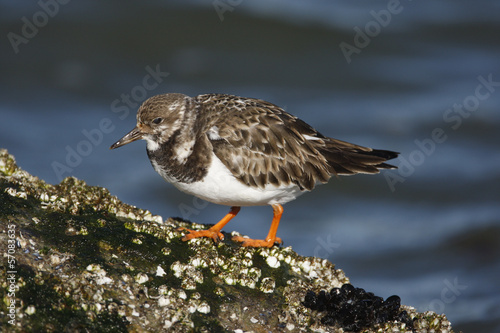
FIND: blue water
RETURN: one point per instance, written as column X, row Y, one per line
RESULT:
column 429, row 232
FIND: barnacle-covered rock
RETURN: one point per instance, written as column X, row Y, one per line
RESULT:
column 78, row 259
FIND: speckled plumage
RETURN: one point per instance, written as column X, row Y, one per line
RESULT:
column 261, row 143
column 243, row 151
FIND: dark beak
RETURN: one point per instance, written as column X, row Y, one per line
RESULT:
column 133, row 135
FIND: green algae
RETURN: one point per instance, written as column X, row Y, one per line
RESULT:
column 57, row 313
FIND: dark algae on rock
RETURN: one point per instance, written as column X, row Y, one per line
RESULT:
column 80, row 260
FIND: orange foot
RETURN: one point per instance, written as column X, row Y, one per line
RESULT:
column 214, row 234
column 271, row 238
column 248, row 242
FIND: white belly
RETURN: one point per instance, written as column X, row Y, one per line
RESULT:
column 221, row 187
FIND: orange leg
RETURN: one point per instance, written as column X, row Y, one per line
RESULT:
column 271, row 238
column 213, row 232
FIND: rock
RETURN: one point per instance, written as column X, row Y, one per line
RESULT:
column 78, row 259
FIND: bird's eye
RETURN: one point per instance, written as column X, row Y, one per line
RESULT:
column 157, row 120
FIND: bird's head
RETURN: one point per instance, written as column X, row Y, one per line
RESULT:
column 158, row 118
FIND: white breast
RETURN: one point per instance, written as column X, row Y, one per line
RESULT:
column 221, row 187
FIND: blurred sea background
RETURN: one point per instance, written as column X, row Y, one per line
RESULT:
column 418, row 77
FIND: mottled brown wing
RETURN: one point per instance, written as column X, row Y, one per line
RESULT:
column 260, row 143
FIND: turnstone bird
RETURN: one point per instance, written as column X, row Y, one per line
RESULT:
column 237, row 151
